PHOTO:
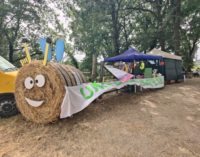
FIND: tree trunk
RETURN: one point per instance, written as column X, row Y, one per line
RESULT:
column 160, row 25
column 176, row 4
column 192, row 50
column 153, row 44
column 94, row 67
column 101, row 71
column 11, row 52
column 125, row 34
column 115, row 25
column 162, row 40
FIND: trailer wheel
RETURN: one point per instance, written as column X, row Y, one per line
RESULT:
column 7, row 106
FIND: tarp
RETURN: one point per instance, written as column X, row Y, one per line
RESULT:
column 130, row 55
column 157, row 52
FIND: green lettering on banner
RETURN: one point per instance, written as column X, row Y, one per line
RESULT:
column 106, row 84
column 91, row 93
column 160, row 80
column 97, row 86
column 110, row 84
column 146, row 82
column 88, row 91
column 131, row 81
column 117, row 83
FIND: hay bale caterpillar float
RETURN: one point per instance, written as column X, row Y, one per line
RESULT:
column 47, row 91
column 40, row 85
column 40, row 89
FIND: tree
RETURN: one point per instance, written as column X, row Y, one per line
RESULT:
column 16, row 14
column 190, row 31
column 108, row 28
column 30, row 19
column 88, row 31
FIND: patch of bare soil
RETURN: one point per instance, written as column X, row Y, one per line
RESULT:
column 158, row 123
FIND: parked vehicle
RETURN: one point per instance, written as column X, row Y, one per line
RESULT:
column 8, row 73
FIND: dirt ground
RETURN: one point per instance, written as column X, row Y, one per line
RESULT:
column 158, row 123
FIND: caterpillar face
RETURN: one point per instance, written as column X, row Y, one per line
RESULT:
column 37, row 82
column 39, row 92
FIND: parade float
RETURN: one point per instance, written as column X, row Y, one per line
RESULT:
column 48, row 90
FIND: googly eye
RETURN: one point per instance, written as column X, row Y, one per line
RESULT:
column 40, row 80
column 29, row 83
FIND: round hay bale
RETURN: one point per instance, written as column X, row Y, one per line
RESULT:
column 40, row 89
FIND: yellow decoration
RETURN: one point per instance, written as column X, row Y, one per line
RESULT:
column 27, row 53
column 46, row 54
column 125, row 68
column 24, row 61
column 142, row 66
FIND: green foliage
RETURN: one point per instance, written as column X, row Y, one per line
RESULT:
column 109, row 27
column 22, row 18
column 70, row 52
column 16, row 16
column 190, row 31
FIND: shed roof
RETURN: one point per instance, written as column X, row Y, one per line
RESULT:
column 164, row 54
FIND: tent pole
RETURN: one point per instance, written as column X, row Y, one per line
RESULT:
column 134, row 75
column 133, row 67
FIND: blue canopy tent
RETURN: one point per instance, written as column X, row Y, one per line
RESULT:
column 131, row 55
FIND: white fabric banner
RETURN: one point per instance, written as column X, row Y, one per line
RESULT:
column 119, row 74
column 79, row 97
column 116, row 72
